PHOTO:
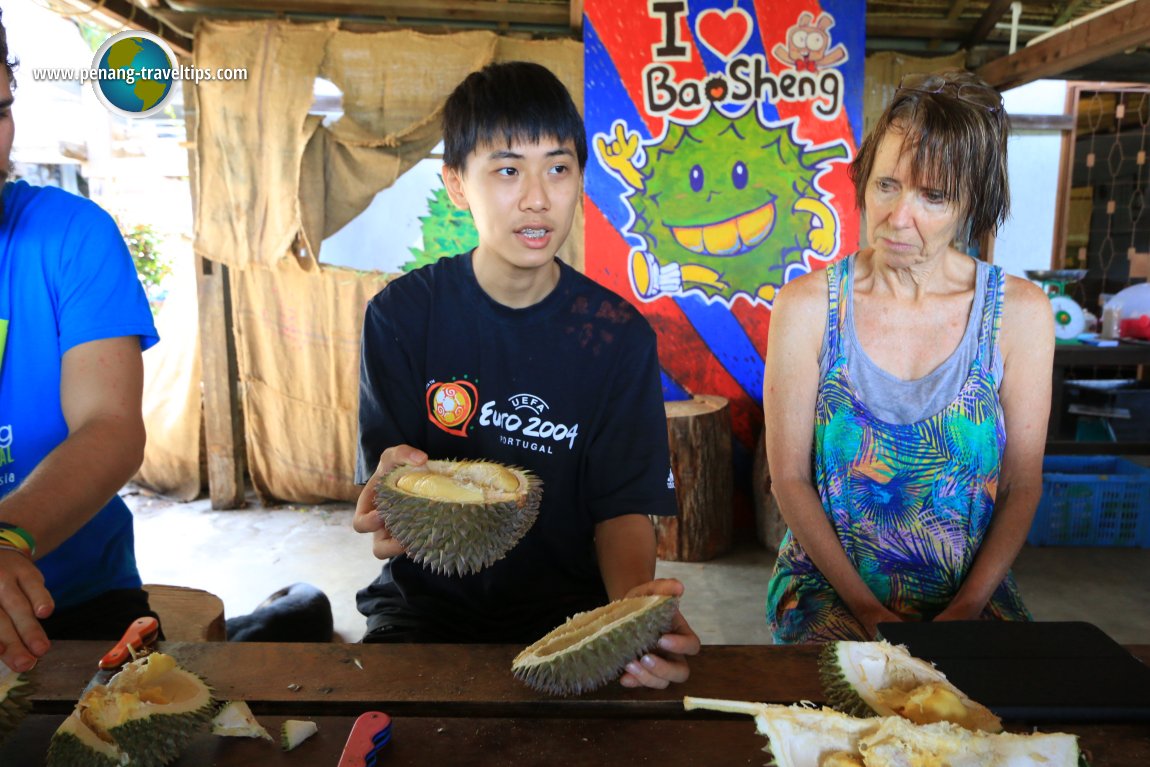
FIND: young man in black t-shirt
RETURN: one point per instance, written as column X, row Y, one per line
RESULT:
column 544, row 369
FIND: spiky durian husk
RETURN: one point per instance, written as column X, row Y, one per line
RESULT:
column 855, row 675
column 74, row 744
column 157, row 743
column 477, row 514
column 592, row 647
column 149, row 711
column 15, row 690
column 800, row 736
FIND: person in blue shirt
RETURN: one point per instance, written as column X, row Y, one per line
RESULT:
column 562, row 378
column 73, row 323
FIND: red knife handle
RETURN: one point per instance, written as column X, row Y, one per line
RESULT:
column 370, row 733
column 139, row 636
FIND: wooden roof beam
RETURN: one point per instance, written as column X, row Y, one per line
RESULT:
column 1116, row 29
column 122, row 14
column 541, row 14
column 576, row 15
column 1068, row 12
column 986, row 22
column 901, row 27
column 956, row 9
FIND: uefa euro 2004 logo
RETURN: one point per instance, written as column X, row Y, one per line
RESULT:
column 136, row 73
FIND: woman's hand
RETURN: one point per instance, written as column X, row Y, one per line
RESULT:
column 668, row 662
column 872, row 616
column 367, row 519
column 958, row 612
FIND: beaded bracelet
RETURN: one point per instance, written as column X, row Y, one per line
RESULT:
column 18, row 537
column 5, row 546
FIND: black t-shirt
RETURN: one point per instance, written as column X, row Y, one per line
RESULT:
column 568, row 388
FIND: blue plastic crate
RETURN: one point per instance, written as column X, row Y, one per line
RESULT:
column 1092, row 501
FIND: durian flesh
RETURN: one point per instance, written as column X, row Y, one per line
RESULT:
column 146, row 714
column 862, row 678
column 296, row 731
column 14, row 701
column 800, row 736
column 236, row 720
column 458, row 517
column 592, row 647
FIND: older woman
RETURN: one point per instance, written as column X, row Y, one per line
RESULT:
column 907, row 388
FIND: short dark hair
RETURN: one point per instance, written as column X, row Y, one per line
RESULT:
column 954, row 130
column 9, row 63
column 508, row 101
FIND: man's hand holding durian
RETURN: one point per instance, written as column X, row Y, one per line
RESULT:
column 367, row 519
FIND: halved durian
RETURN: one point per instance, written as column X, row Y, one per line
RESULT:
column 864, row 678
column 14, row 700
column 144, row 716
column 592, row 647
column 458, row 517
column 802, row 736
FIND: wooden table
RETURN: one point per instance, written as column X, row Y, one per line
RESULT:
column 1060, row 436
column 459, row 705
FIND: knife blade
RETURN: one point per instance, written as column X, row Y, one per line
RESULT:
column 364, row 747
column 138, row 640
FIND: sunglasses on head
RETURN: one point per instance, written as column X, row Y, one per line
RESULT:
column 977, row 95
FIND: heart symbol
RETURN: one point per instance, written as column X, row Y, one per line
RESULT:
column 451, row 406
column 724, row 32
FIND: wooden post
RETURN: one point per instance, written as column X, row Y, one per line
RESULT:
column 769, row 524
column 223, row 417
column 699, row 433
column 223, row 426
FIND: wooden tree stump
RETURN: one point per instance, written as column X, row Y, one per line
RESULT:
column 186, row 614
column 699, row 433
column 769, row 524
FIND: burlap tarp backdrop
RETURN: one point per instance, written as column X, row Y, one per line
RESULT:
column 272, row 182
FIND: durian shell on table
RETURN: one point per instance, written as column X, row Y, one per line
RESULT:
column 868, row 678
column 458, row 517
column 144, row 717
column 592, row 647
column 15, row 702
column 236, row 720
column 806, row 736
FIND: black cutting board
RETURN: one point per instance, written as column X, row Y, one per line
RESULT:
column 1054, row 671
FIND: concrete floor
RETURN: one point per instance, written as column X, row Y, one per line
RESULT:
column 243, row 556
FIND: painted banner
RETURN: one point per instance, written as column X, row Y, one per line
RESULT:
column 720, row 133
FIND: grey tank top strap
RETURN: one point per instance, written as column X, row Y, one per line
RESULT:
column 897, row 401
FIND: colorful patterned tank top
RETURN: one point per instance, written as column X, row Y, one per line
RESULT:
column 910, row 502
